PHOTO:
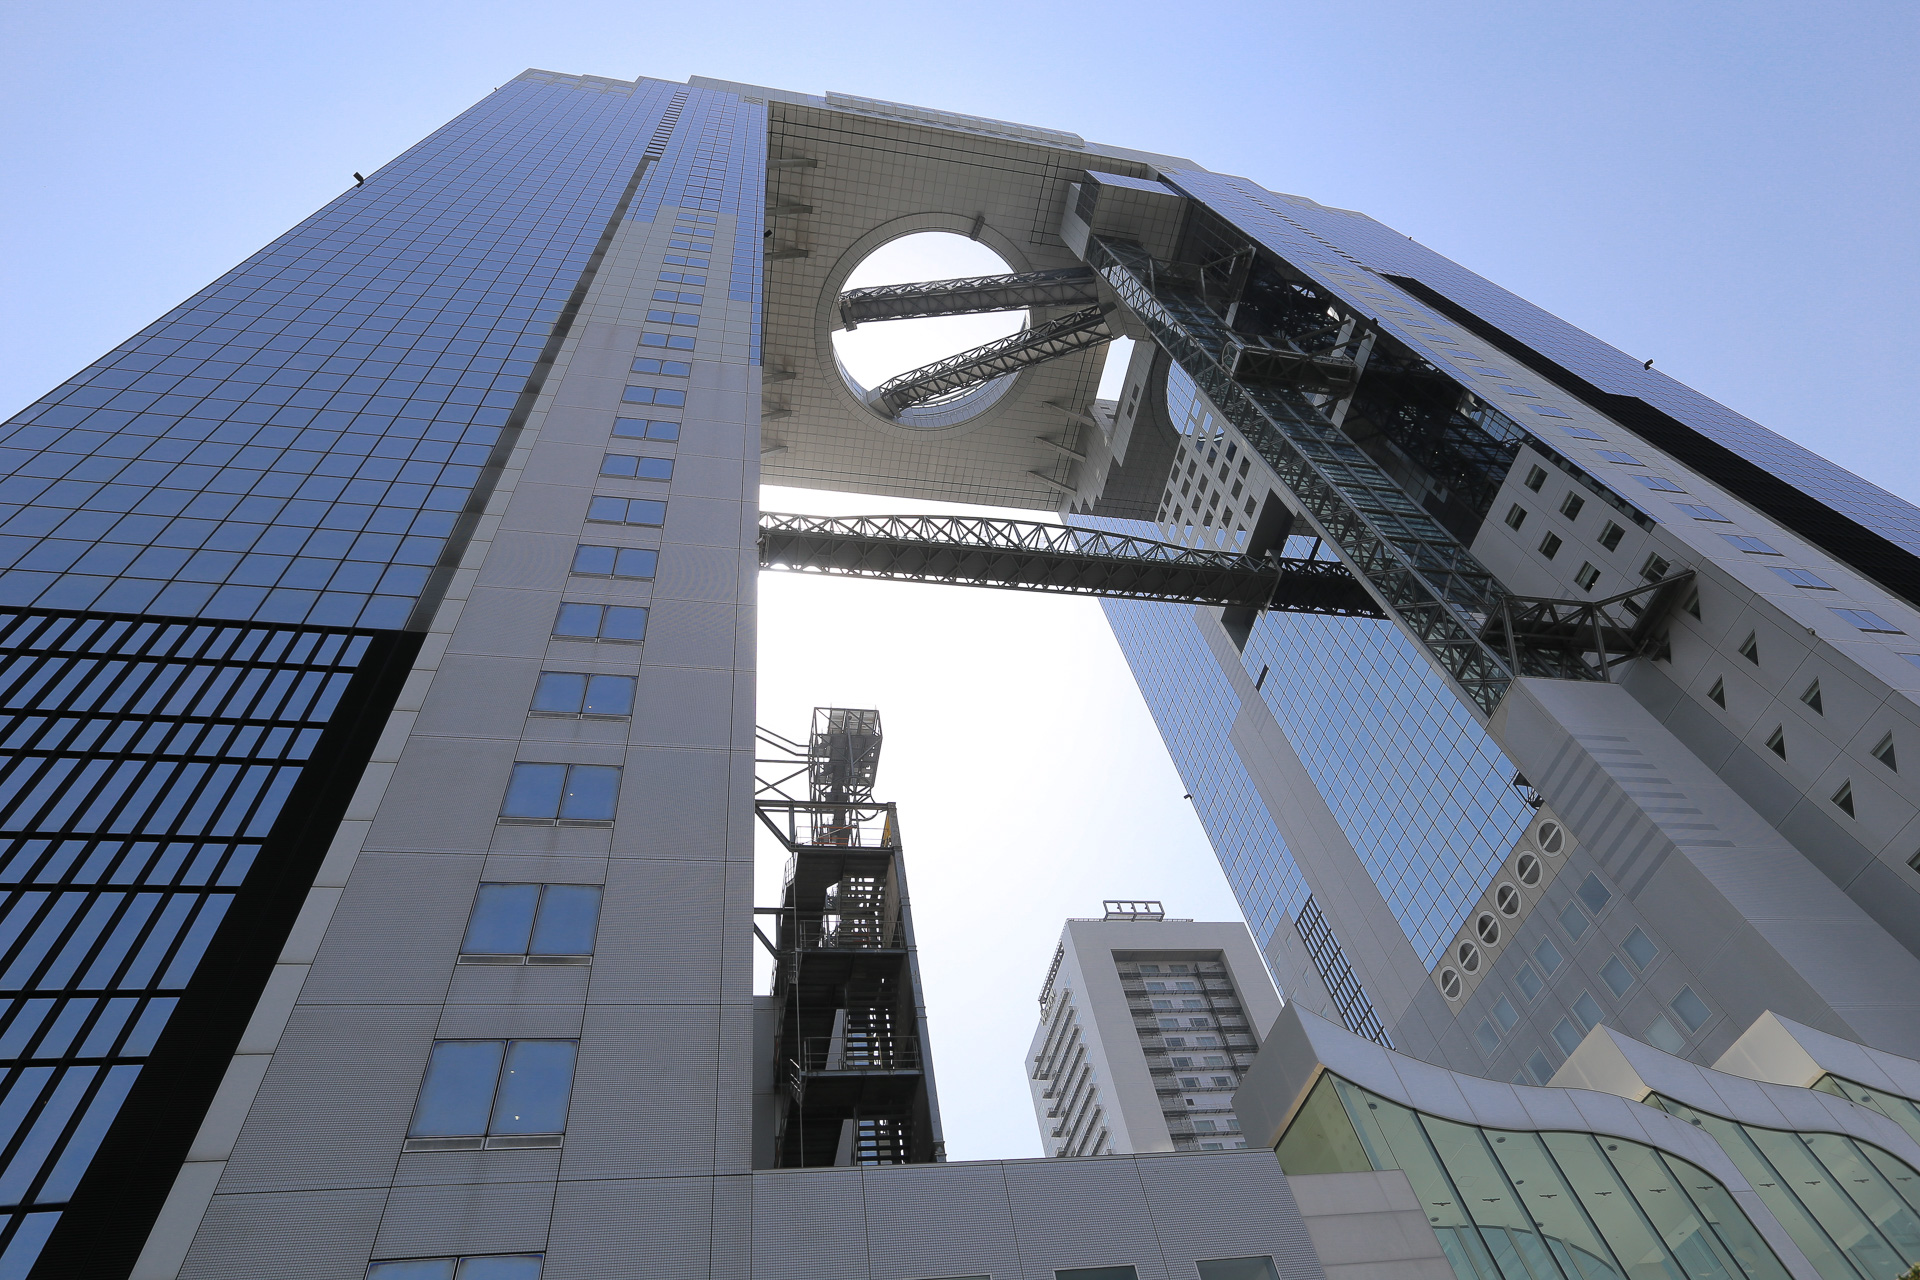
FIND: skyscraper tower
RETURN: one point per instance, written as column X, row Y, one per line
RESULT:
column 378, row 797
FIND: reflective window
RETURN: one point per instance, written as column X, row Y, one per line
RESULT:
column 486, row 1266
column 615, row 562
column 478, row 1088
column 579, row 693
column 1550, row 1206
column 626, row 464
column 600, row 622
column 1867, row 620
column 646, row 429
column 1904, row 1112
column 533, row 919
column 562, row 792
column 643, row 511
column 1639, row 949
column 1853, row 1209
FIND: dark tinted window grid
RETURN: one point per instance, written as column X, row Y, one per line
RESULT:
column 144, row 762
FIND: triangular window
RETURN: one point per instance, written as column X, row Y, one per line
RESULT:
column 1778, row 742
column 1844, row 798
column 1812, row 698
column 1884, row 752
column 1719, row 692
column 1750, row 648
column 1692, row 605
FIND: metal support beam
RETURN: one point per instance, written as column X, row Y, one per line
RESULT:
column 1020, row 555
column 973, row 295
column 1077, row 331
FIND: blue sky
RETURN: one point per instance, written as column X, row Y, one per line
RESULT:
column 1725, row 188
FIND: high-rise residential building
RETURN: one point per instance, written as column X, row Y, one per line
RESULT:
column 1147, row 1026
column 379, row 794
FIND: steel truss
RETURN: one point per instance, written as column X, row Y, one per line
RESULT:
column 1586, row 638
column 1076, row 331
column 1022, row 555
column 1064, row 287
column 1418, row 570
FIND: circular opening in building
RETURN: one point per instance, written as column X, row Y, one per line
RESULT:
column 1528, row 869
column 1552, row 838
column 1469, row 957
column 1488, row 928
column 1450, row 984
column 1507, row 898
column 877, row 351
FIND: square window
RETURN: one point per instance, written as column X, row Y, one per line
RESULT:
column 1639, row 949
column 1691, row 1008
column 1540, row 1068
column 1595, row 894
column 1611, row 535
column 1531, row 983
column 1567, row 1036
column 1504, row 1014
column 1867, row 620
column 1547, row 956
column 1489, row 1038
column 1587, row 1010
column 1587, row 576
column 1664, row 1036
column 1573, row 921
column 1536, row 476
column 1550, row 545
column 1517, row 516
column 1616, row 975
column 1572, row 505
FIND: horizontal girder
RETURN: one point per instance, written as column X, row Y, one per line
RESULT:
column 1064, row 287
column 1023, row 555
column 1076, row 331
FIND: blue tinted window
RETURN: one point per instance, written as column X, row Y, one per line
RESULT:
column 1566, row 1036
column 1868, row 620
column 580, row 621
column 535, row 791
column 1489, row 1039
column 1530, row 983
column 1547, row 955
column 641, row 511
column 609, row 696
column 1660, row 483
column 569, row 917
column 588, row 559
column 1753, row 546
column 502, row 1266
column 1504, row 1013
column 635, row 562
column 1572, row 920
column 1699, row 512
column 457, row 1094
column 534, row 1087
column 591, row 793
column 646, row 429
column 502, row 918
column 621, row 464
column 412, row 1269
column 1801, row 578
column 1587, row 1009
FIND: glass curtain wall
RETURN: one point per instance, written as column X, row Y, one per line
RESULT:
column 1904, row 1112
column 1853, row 1209
column 1535, row 1206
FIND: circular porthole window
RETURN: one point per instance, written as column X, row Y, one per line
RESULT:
column 1527, row 867
column 1552, row 838
column 1469, row 957
column 1507, row 898
column 1450, row 984
column 1488, row 928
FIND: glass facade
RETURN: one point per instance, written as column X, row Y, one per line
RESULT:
column 208, row 535
column 1904, row 1112
column 1852, row 1208
column 1513, row 1205
column 298, row 441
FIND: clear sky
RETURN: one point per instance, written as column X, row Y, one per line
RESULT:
column 1727, row 188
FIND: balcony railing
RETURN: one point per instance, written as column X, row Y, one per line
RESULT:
column 806, row 824
column 821, row 1053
